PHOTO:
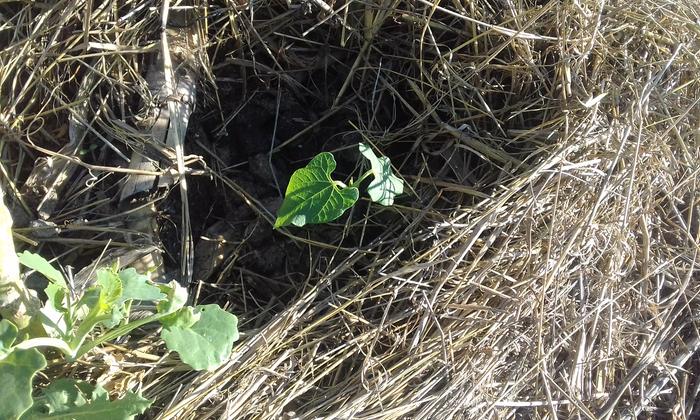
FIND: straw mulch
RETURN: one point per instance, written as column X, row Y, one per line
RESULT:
column 544, row 262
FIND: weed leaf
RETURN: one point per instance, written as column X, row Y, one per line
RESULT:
column 135, row 286
column 70, row 399
column 103, row 301
column 175, row 298
column 206, row 343
column 17, row 370
column 38, row 263
column 8, row 335
column 54, row 319
column 110, row 289
column 53, row 314
column 184, row 318
column 313, row 197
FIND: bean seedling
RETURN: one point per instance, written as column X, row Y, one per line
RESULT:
column 313, row 196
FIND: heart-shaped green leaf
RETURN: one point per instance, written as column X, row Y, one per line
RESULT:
column 313, row 197
column 385, row 185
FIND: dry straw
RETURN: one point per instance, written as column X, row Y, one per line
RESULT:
column 545, row 263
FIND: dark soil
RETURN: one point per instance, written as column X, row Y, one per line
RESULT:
column 236, row 250
column 254, row 128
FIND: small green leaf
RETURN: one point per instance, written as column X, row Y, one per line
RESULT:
column 54, row 314
column 136, row 287
column 55, row 295
column 103, row 303
column 109, row 305
column 53, row 320
column 175, row 297
column 60, row 395
column 385, row 185
column 207, row 343
column 68, row 399
column 110, row 289
column 38, row 263
column 183, row 318
column 313, row 197
column 17, row 371
column 8, row 335
column 87, row 302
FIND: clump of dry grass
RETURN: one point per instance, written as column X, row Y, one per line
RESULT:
column 546, row 262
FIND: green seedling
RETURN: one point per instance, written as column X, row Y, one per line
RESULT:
column 74, row 324
column 313, row 196
column 79, row 400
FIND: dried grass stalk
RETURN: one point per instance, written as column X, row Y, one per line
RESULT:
column 546, row 263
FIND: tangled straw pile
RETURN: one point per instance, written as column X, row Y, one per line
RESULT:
column 546, row 261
